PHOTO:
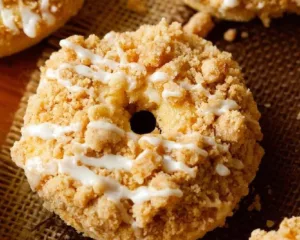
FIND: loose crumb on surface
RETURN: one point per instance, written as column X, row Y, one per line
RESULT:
column 270, row 223
column 267, row 105
column 244, row 34
column 138, row 6
column 298, row 116
column 200, row 24
column 256, row 205
column 230, row 35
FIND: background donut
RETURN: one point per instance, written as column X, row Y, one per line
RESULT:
column 245, row 10
column 26, row 22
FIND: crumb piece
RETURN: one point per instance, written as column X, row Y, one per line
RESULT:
column 200, row 24
column 270, row 223
column 256, row 205
column 230, row 35
column 244, row 34
column 138, row 6
column 267, row 105
column 298, row 116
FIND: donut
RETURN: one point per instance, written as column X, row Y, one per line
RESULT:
column 90, row 150
column 245, row 10
column 24, row 23
column 289, row 229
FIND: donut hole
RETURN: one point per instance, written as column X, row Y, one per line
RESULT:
column 142, row 122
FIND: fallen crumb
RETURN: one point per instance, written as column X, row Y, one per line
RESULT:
column 270, row 223
column 200, row 24
column 230, row 35
column 267, row 105
column 244, row 34
column 256, row 205
column 138, row 6
column 298, row 116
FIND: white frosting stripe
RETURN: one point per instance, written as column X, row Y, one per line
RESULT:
column 101, row 124
column 230, row 3
column 85, row 53
column 169, row 145
column 113, row 189
column 221, row 107
column 170, row 165
column 29, row 18
column 48, row 131
column 159, row 77
column 108, row 161
column 166, row 94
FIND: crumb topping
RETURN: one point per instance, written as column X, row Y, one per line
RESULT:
column 81, row 156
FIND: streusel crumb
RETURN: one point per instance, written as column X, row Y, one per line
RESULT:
column 177, row 182
column 200, row 24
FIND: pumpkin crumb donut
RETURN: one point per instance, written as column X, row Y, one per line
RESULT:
column 178, row 180
column 245, row 10
column 289, row 229
column 24, row 23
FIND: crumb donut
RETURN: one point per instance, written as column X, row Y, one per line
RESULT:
column 245, row 10
column 178, row 181
column 24, row 23
column 289, row 229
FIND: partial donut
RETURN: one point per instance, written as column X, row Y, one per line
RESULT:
column 24, row 23
column 289, row 229
column 245, row 10
column 179, row 181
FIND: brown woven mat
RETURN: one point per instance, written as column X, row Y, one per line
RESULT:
column 270, row 59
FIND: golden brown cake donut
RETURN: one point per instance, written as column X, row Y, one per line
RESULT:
column 245, row 10
column 179, row 181
column 289, row 229
column 24, row 23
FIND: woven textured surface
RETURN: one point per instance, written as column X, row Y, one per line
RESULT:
column 270, row 59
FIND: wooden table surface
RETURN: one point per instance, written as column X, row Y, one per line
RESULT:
column 13, row 81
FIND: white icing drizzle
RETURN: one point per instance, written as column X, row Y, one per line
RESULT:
column 55, row 74
column 8, row 18
column 218, row 109
column 230, row 4
column 101, row 124
column 159, row 77
column 170, row 165
column 212, row 142
column 82, row 70
column 155, row 141
column 221, row 107
column 166, row 94
column 222, row 170
column 260, row 5
column 108, row 161
column 30, row 20
column 98, row 60
column 114, row 191
column 152, row 94
column 35, row 169
column 87, row 54
column 48, row 131
column 170, row 145
column 47, row 16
